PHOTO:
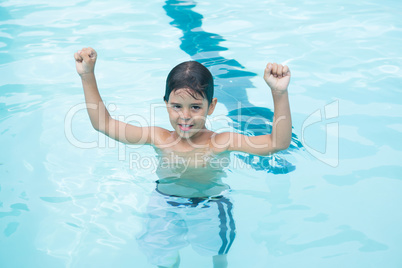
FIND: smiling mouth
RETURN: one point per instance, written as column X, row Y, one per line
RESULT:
column 184, row 127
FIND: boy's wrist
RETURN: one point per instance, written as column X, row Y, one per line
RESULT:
column 87, row 75
column 279, row 92
column 279, row 97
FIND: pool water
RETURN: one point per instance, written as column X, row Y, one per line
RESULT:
column 69, row 197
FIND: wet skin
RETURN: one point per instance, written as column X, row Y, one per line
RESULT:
column 189, row 167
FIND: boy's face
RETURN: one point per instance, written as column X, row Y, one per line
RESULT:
column 188, row 114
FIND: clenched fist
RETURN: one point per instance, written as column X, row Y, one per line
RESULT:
column 85, row 60
column 277, row 77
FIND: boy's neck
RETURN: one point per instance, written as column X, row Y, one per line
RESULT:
column 201, row 138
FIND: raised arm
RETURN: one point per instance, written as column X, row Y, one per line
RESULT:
column 101, row 120
column 277, row 77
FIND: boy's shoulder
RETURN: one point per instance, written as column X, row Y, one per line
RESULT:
column 160, row 135
column 221, row 142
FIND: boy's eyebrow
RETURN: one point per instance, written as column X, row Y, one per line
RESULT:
column 194, row 103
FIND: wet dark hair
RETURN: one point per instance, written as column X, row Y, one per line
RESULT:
column 192, row 75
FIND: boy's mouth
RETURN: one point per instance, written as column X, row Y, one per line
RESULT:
column 184, row 127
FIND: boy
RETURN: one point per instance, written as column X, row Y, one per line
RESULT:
column 191, row 171
column 188, row 109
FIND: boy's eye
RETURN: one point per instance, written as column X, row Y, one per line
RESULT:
column 196, row 107
column 175, row 106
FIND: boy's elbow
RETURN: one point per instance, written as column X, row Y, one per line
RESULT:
column 285, row 145
column 98, row 125
column 280, row 147
column 95, row 125
column 98, row 128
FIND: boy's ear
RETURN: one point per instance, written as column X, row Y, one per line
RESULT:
column 212, row 106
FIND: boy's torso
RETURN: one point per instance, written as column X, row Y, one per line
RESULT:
column 192, row 172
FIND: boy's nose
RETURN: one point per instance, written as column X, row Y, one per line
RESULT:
column 185, row 115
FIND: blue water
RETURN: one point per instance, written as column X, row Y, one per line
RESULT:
column 70, row 197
